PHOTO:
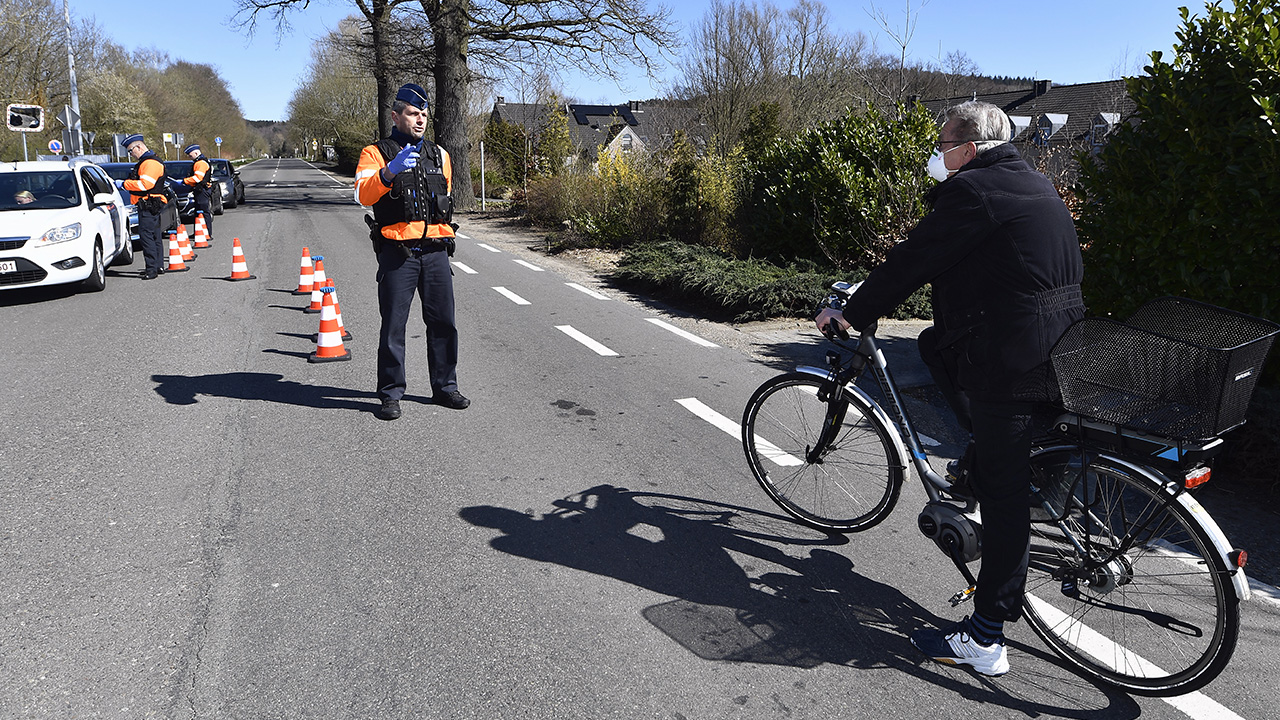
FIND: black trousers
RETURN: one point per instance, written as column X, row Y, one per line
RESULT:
column 149, row 236
column 431, row 277
column 1000, row 474
column 204, row 201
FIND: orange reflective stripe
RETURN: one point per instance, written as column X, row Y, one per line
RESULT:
column 369, row 187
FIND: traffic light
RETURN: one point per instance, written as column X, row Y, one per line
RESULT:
column 25, row 118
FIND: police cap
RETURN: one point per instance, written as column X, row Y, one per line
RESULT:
column 130, row 139
column 413, row 95
column 191, row 148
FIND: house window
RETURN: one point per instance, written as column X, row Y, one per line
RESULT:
column 626, row 142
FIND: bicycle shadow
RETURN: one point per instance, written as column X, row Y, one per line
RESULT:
column 777, row 608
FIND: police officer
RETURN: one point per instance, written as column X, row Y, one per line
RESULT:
column 146, row 184
column 408, row 182
column 201, row 184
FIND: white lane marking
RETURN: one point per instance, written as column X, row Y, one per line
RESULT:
column 512, row 296
column 682, row 333
column 766, row 448
column 588, row 291
column 490, row 248
column 598, row 348
column 460, row 235
column 1196, row 704
column 529, row 265
column 464, row 268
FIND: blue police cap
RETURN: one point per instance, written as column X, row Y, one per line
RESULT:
column 130, row 139
column 413, row 95
column 190, row 149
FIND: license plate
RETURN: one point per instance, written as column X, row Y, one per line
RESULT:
column 8, row 266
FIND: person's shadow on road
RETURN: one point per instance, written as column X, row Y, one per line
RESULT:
column 802, row 611
column 271, row 387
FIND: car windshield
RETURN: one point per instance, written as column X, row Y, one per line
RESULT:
column 42, row 190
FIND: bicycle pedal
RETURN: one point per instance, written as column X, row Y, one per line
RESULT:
column 962, row 596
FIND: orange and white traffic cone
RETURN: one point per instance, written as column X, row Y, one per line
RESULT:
column 184, row 244
column 175, row 255
column 317, row 286
column 202, row 232
column 306, row 276
column 239, row 268
column 329, row 345
column 337, row 308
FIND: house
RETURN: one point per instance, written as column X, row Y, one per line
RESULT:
column 1051, row 123
column 629, row 128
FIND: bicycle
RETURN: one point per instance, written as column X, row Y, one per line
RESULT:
column 1130, row 581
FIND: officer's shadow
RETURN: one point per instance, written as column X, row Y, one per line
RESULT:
column 271, row 387
column 804, row 610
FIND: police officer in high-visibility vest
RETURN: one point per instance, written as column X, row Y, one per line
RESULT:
column 146, row 183
column 201, row 184
column 408, row 182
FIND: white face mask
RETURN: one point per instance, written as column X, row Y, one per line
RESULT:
column 937, row 164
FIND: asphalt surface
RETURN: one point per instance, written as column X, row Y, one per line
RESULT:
column 201, row 524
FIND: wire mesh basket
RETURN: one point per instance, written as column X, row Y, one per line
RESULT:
column 1177, row 368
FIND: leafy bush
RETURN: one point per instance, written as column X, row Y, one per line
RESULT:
column 847, row 190
column 745, row 289
column 622, row 203
column 702, row 195
column 1185, row 203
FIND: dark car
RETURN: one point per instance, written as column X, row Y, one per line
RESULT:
column 229, row 179
column 120, row 171
column 175, row 171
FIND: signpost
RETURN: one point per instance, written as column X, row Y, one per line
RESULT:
column 24, row 119
column 218, row 141
column 55, row 147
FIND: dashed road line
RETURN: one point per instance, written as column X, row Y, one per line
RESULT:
column 682, row 333
column 529, row 265
column 490, row 248
column 464, row 267
column 512, row 296
column 766, row 448
column 588, row 291
column 595, row 346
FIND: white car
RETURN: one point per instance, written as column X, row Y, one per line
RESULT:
column 60, row 222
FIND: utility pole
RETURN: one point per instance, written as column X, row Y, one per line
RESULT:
column 74, row 148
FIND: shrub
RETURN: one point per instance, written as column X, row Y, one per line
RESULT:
column 622, row 203
column 702, row 195
column 847, row 190
column 1184, row 203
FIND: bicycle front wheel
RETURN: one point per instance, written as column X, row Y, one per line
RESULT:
column 1149, row 606
column 849, row 483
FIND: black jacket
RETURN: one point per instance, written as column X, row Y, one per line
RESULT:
column 1001, row 251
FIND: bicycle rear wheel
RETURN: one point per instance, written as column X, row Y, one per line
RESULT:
column 851, row 486
column 1152, row 608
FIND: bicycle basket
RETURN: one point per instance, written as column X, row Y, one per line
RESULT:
column 1177, row 368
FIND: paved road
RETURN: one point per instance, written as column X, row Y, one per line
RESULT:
column 199, row 523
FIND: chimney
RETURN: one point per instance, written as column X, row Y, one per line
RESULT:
column 635, row 105
column 502, row 100
column 1042, row 87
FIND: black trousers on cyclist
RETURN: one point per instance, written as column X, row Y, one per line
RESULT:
column 1000, row 474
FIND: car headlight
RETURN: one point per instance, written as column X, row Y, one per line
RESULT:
column 225, row 189
column 60, row 235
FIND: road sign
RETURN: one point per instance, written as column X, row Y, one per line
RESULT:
column 55, row 146
column 25, row 118
column 68, row 117
column 217, row 141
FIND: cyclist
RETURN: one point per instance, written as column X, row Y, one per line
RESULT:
column 1000, row 248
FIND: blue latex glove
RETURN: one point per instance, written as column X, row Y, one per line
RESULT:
column 120, row 184
column 405, row 159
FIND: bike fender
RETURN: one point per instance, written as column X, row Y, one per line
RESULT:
column 898, row 447
column 1219, row 539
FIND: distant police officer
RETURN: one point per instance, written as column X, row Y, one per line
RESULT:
column 146, row 184
column 408, row 183
column 201, row 183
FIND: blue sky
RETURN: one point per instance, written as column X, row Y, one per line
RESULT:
column 1067, row 42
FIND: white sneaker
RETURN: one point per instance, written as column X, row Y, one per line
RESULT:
column 955, row 645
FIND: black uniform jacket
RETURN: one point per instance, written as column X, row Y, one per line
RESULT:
column 1001, row 251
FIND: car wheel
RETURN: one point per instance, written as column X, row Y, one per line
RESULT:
column 217, row 207
column 126, row 254
column 97, row 279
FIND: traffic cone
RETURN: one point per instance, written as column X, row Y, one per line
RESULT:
column 306, row 275
column 239, row 268
column 184, row 244
column 175, row 255
column 202, row 232
column 329, row 345
column 317, row 285
column 337, row 308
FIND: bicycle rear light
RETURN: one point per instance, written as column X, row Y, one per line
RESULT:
column 1239, row 558
column 1197, row 477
